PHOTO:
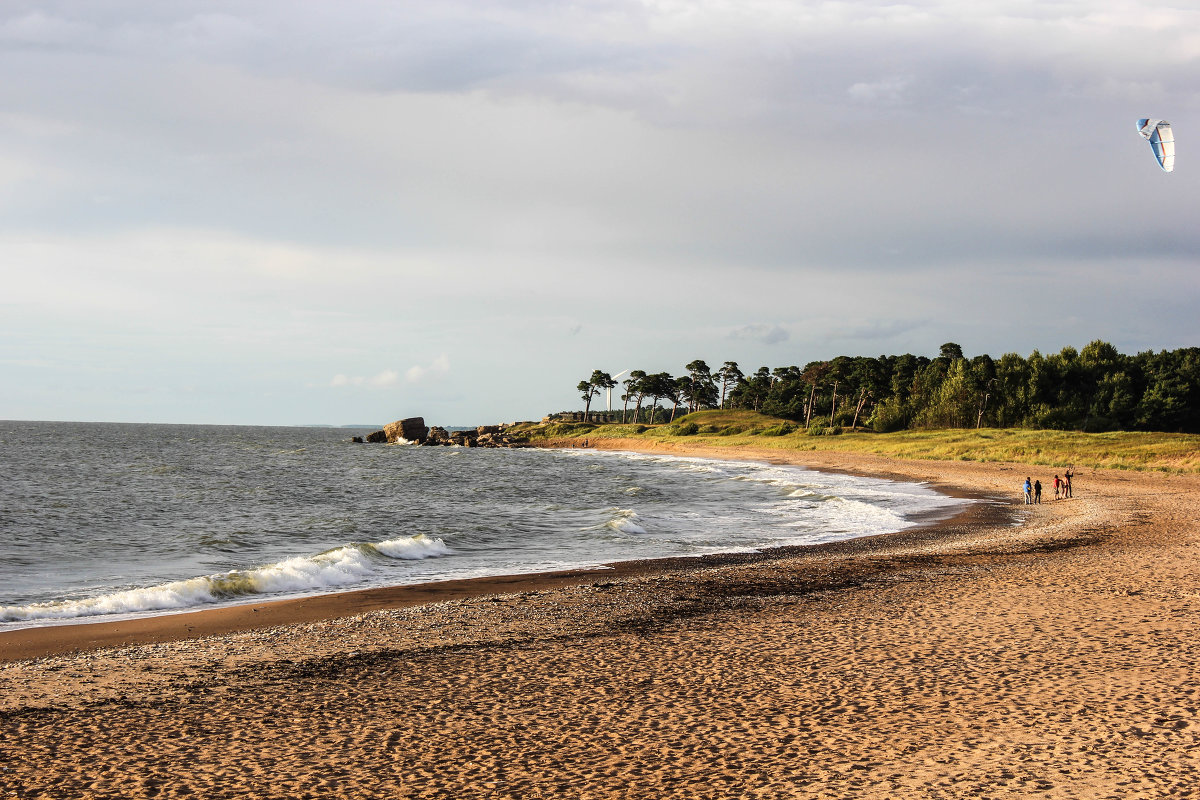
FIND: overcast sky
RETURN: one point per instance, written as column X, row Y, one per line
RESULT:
column 306, row 212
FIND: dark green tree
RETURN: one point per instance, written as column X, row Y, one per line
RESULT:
column 950, row 352
column 682, row 385
column 588, row 391
column 702, row 386
column 602, row 381
column 728, row 376
column 751, row 393
column 635, row 389
column 1094, row 389
column 660, row 385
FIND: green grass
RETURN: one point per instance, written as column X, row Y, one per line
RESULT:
column 1167, row 452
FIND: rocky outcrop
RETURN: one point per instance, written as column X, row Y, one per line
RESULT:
column 410, row 430
column 413, row 430
column 437, row 435
column 463, row 438
column 483, row 436
column 499, row 439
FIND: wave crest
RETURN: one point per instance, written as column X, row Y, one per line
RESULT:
column 339, row 567
column 625, row 521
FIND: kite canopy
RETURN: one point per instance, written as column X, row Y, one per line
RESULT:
column 1158, row 133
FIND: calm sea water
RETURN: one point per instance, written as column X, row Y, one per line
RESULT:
column 99, row 521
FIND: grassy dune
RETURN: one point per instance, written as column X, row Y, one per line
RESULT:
column 1167, row 452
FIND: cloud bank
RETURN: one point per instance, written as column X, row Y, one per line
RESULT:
column 205, row 205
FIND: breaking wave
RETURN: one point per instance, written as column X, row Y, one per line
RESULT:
column 105, row 521
column 621, row 520
column 341, row 566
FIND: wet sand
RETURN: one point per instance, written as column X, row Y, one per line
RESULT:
column 971, row 658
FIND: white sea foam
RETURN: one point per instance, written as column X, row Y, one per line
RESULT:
column 623, row 520
column 840, row 515
column 808, row 494
column 704, row 466
column 341, row 566
column 413, row 547
column 815, row 506
column 627, row 526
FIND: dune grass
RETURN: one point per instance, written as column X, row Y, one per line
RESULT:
column 1166, row 452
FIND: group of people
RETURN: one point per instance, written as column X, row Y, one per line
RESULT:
column 1062, row 488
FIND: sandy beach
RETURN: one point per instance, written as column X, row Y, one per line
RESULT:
column 1013, row 651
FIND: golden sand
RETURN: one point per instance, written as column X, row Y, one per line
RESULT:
column 975, row 658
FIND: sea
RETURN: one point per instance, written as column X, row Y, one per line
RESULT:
column 103, row 521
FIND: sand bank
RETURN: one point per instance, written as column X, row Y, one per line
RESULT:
column 972, row 658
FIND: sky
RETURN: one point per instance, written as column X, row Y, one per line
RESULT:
column 287, row 212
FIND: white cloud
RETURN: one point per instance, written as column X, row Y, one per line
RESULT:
column 387, row 377
column 889, row 91
column 418, row 373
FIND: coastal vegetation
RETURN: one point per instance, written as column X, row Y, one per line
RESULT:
column 735, row 430
column 1096, row 389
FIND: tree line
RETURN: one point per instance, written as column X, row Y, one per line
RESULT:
column 1093, row 389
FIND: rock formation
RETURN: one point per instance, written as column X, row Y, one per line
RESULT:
column 413, row 430
column 410, row 430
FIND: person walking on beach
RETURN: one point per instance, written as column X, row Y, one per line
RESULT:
column 1067, row 483
column 1057, row 486
column 1037, row 491
column 1028, row 492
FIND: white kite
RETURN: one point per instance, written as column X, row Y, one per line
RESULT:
column 1158, row 133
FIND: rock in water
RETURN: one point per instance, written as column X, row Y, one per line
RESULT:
column 411, row 430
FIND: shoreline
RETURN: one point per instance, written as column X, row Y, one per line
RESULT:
column 970, row 658
column 76, row 636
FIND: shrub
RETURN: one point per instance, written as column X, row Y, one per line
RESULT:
column 888, row 416
column 782, row 429
column 1099, row 425
column 687, row 429
column 1060, row 419
column 562, row 429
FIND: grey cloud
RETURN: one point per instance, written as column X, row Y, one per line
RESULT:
column 877, row 331
column 766, row 334
column 404, row 46
column 913, row 173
